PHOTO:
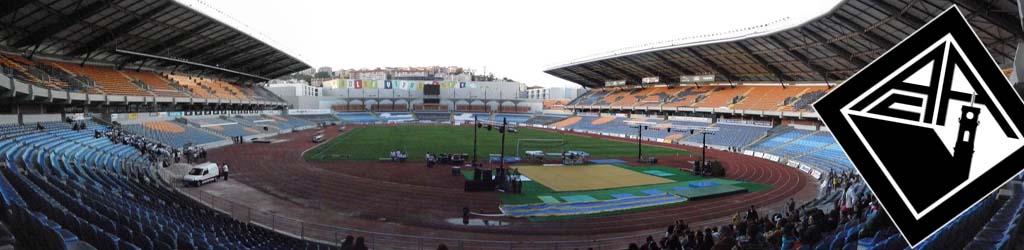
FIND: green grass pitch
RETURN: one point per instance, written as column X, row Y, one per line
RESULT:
column 372, row 143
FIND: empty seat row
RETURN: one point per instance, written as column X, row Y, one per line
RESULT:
column 69, row 190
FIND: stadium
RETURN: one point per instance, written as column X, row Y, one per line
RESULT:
column 147, row 124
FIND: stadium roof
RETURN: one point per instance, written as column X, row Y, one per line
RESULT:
column 102, row 30
column 827, row 48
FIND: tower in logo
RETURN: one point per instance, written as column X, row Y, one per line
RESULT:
column 964, row 150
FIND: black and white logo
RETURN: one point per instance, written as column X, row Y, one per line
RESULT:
column 932, row 125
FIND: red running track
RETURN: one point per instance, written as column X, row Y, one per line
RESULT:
column 412, row 195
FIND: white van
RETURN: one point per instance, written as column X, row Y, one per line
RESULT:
column 318, row 138
column 202, row 174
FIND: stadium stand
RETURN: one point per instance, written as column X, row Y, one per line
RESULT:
column 511, row 118
column 290, row 122
column 158, row 85
column 743, row 97
column 815, row 148
column 774, row 98
column 107, row 79
column 433, row 116
column 733, row 135
column 1002, row 230
column 357, row 117
column 319, row 118
column 191, row 85
column 686, row 96
column 173, row 134
column 396, row 117
column 544, row 119
column 783, row 135
column 804, row 101
column 260, row 124
column 723, row 97
column 26, row 70
column 555, row 104
column 224, row 127
column 69, row 190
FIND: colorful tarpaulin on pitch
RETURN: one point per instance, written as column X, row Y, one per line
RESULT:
column 590, row 207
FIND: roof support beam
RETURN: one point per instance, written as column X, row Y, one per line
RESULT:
column 201, row 66
column 232, row 53
column 199, row 51
column 711, row 64
column 41, row 34
column 602, row 74
column 116, row 32
column 675, row 65
column 1009, row 22
column 585, row 77
column 870, row 34
column 257, row 56
column 620, row 71
column 171, row 41
column 764, row 63
column 800, row 56
column 898, row 12
column 859, row 63
column 10, row 6
column 649, row 70
column 180, row 37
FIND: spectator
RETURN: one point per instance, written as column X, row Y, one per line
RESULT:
column 347, row 244
column 725, row 239
column 752, row 239
column 708, row 241
column 442, row 247
column 811, row 233
column 651, row 244
column 359, row 244
column 752, row 214
column 788, row 237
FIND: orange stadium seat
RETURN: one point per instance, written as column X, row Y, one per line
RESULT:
column 109, row 80
column 768, row 97
column 567, row 122
column 163, row 126
column 210, row 88
column 157, row 84
column 723, row 96
column 685, row 96
column 22, row 65
column 189, row 83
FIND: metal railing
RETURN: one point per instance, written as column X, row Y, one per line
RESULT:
column 380, row 240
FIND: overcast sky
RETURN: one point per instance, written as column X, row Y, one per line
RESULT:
column 515, row 39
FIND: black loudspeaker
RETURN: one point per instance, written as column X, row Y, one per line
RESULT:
column 487, row 175
column 477, row 175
